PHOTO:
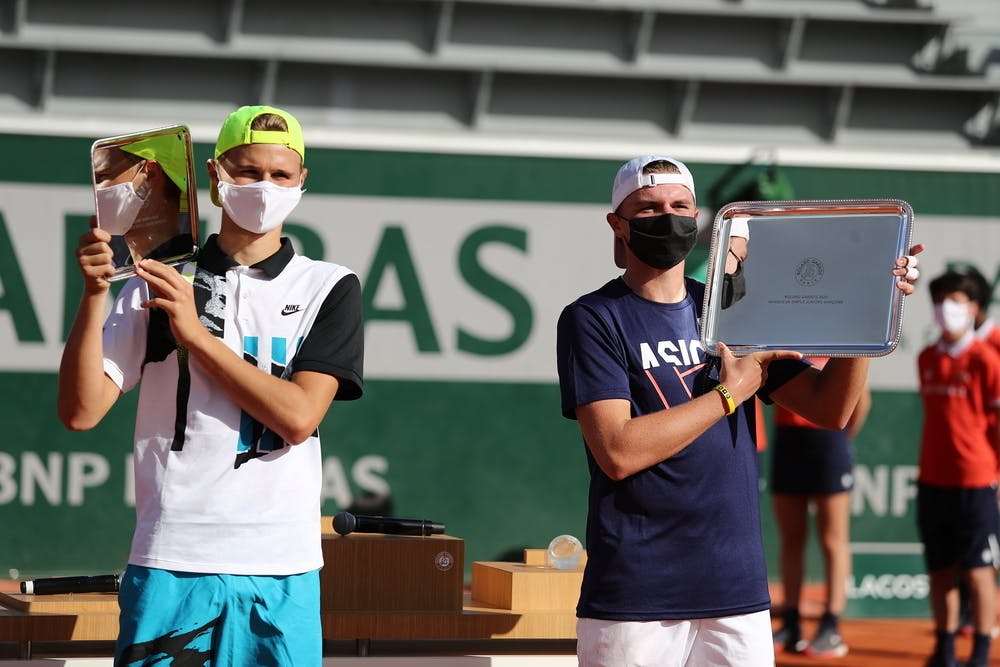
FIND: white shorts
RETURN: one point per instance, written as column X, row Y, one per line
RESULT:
column 707, row 642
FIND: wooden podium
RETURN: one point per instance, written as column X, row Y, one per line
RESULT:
column 388, row 593
column 376, row 572
column 524, row 586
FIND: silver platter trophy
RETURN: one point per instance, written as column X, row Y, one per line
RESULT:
column 816, row 278
column 145, row 196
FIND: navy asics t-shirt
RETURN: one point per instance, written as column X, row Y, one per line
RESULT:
column 681, row 539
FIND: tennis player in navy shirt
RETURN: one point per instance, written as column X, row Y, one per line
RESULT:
column 675, row 572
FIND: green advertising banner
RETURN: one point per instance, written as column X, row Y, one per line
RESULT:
column 466, row 262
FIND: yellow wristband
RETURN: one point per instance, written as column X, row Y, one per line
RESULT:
column 730, row 403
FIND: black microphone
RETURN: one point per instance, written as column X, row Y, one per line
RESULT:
column 102, row 583
column 345, row 522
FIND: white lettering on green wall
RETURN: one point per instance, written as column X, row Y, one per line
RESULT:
column 32, row 478
column 55, row 479
column 894, row 586
column 883, row 490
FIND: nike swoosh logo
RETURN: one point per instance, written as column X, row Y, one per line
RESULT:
column 290, row 310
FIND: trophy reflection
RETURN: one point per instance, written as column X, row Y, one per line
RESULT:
column 143, row 197
column 734, row 286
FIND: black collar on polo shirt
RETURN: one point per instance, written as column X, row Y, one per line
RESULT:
column 213, row 259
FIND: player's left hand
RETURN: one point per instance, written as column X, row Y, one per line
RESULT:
column 173, row 294
column 906, row 269
column 743, row 376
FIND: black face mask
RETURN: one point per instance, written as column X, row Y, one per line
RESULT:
column 734, row 286
column 662, row 241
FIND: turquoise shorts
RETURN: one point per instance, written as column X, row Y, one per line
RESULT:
column 185, row 618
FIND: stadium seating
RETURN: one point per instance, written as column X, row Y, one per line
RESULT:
column 914, row 73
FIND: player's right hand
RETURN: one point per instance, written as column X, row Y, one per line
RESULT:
column 94, row 255
column 743, row 376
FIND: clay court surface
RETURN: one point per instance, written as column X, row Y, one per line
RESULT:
column 898, row 642
column 883, row 643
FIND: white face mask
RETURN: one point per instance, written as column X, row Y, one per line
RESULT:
column 258, row 207
column 955, row 317
column 117, row 207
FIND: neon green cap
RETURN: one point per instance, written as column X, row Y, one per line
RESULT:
column 236, row 131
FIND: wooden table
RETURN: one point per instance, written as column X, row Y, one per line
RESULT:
column 374, row 587
column 71, row 617
column 94, row 617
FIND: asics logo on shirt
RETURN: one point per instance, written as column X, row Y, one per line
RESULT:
column 291, row 309
column 673, row 352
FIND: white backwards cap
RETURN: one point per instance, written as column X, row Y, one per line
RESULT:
column 630, row 177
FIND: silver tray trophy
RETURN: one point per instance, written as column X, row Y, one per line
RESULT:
column 816, row 278
column 145, row 196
